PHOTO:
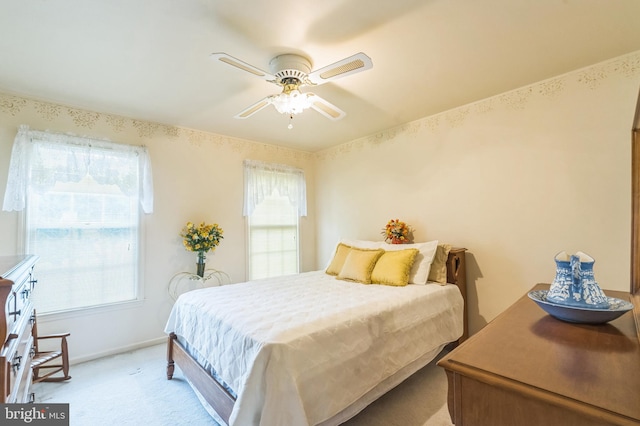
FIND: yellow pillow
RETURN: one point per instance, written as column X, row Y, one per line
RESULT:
column 342, row 250
column 359, row 264
column 438, row 271
column 393, row 267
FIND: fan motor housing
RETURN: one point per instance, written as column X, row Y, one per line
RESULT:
column 290, row 66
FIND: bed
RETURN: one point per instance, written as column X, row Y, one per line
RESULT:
column 310, row 349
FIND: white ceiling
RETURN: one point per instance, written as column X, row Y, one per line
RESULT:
column 149, row 59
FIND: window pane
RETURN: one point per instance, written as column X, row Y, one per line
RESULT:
column 86, row 235
column 273, row 238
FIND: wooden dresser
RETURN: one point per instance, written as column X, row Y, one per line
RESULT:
column 528, row 368
column 16, row 284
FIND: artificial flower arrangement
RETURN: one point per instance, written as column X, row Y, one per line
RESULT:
column 397, row 232
column 201, row 238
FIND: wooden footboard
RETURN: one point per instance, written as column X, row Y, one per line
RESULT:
column 218, row 397
column 212, row 391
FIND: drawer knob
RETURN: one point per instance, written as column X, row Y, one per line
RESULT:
column 17, row 360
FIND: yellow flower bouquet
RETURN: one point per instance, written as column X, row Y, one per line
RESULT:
column 201, row 238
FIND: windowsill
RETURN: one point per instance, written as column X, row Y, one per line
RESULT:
column 94, row 310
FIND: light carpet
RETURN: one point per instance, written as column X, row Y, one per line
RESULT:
column 132, row 389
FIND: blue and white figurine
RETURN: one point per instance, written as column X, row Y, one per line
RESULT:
column 575, row 284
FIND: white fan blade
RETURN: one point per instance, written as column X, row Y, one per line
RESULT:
column 326, row 108
column 351, row 65
column 254, row 108
column 230, row 60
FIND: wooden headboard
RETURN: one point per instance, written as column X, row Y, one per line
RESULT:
column 457, row 274
column 635, row 218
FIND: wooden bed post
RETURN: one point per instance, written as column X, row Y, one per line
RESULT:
column 212, row 391
column 170, row 362
column 457, row 274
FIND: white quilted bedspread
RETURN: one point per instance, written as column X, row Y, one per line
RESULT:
column 298, row 349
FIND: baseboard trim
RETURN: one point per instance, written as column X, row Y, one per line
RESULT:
column 119, row 350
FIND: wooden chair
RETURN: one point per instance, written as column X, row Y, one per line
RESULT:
column 41, row 359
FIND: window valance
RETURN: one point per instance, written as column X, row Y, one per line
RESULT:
column 263, row 179
column 39, row 160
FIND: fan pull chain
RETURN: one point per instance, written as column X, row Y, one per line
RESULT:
column 290, row 126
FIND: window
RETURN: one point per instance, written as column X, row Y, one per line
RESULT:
column 275, row 197
column 82, row 200
column 273, row 238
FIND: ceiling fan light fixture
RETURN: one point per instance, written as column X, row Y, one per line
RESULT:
column 291, row 101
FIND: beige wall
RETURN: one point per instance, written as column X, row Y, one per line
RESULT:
column 515, row 179
column 197, row 177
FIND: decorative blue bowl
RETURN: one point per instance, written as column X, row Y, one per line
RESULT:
column 616, row 308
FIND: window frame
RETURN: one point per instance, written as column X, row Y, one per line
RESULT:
column 144, row 207
column 261, row 178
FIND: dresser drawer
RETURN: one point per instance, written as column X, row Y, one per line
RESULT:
column 21, row 301
column 18, row 301
column 18, row 355
column 18, row 308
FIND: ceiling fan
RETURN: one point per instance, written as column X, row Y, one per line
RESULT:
column 291, row 72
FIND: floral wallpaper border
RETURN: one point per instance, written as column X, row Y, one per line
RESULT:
column 88, row 120
column 591, row 77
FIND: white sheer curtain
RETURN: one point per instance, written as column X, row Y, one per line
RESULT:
column 262, row 179
column 35, row 154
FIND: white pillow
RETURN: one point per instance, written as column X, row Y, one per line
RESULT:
column 422, row 263
column 363, row 244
